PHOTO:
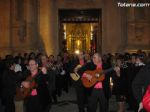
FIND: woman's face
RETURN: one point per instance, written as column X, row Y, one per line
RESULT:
column 12, row 67
column 44, row 59
column 118, row 62
column 133, row 59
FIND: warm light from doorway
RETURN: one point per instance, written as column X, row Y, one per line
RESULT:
column 78, row 42
column 65, row 36
column 91, row 32
column 77, row 51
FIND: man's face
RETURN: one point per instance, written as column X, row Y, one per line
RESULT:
column 80, row 56
column 44, row 59
column 96, row 59
column 118, row 62
column 13, row 67
column 51, row 58
column 133, row 59
column 33, row 65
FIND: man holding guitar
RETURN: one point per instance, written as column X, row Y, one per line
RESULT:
column 92, row 76
column 80, row 89
column 38, row 98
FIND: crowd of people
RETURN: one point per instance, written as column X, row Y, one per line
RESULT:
column 33, row 82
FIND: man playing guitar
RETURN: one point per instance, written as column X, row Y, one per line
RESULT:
column 95, row 93
column 39, row 98
column 80, row 89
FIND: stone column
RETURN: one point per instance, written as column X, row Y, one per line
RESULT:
column 5, row 32
column 32, row 24
column 48, row 26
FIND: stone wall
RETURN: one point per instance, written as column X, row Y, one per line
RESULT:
column 5, row 44
column 33, row 25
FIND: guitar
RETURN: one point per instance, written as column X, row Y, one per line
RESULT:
column 95, row 76
column 22, row 92
column 75, row 76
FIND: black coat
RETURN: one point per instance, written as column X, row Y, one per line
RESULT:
column 9, row 83
column 42, row 87
column 141, row 82
column 120, row 83
column 88, row 66
column 51, row 81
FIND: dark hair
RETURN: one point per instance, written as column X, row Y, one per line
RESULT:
column 9, row 63
column 9, row 57
column 127, row 56
column 16, row 59
column 120, row 57
column 32, row 59
column 32, row 55
column 140, row 56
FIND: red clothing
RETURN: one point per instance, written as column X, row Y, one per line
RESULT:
column 34, row 91
column 99, row 84
column 82, row 62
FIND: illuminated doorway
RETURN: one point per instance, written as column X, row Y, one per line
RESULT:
column 80, row 31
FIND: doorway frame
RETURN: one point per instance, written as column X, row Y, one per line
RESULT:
column 96, row 13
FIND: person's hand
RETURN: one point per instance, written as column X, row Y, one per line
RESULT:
column 25, row 84
column 44, row 70
column 89, row 77
column 117, row 70
column 140, row 107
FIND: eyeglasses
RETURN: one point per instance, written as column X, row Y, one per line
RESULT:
column 32, row 64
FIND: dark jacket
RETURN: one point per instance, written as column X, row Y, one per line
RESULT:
column 9, row 83
column 51, row 81
column 88, row 66
column 141, row 82
column 42, row 88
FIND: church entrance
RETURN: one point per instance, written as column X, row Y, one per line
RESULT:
column 80, row 31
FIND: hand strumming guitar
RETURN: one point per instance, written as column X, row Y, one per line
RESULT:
column 25, row 84
column 88, row 76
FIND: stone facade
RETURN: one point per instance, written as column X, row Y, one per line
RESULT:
column 33, row 25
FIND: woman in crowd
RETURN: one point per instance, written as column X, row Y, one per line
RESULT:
column 9, row 85
column 119, row 85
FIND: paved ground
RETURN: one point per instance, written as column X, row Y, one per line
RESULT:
column 67, row 103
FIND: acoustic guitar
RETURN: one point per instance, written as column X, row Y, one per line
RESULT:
column 95, row 76
column 22, row 92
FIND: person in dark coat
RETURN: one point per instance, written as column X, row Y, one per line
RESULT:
column 120, row 82
column 39, row 98
column 80, row 89
column 9, row 86
column 106, row 82
column 140, row 83
column 138, row 66
column 2, row 68
column 50, row 75
column 130, row 76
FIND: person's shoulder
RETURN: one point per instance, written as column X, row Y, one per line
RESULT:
column 148, row 63
column 90, row 65
column 26, row 73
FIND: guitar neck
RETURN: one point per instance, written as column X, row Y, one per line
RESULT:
column 108, row 70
